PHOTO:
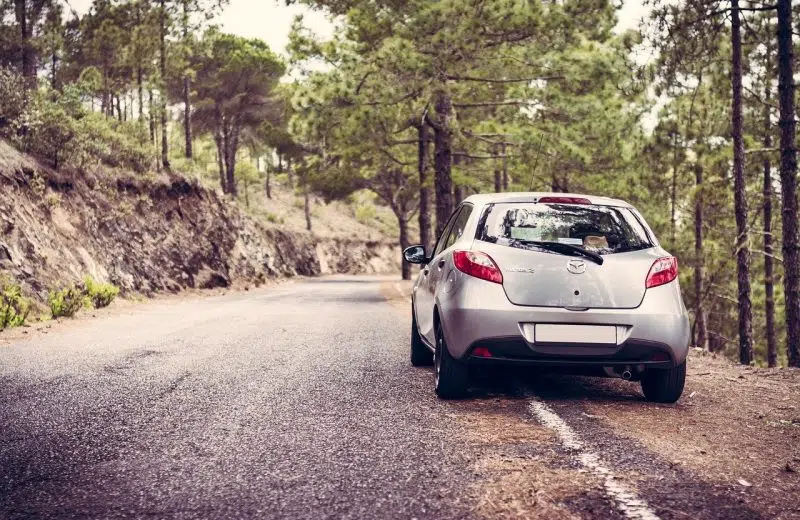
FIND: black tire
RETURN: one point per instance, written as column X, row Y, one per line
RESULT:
column 664, row 386
column 452, row 376
column 421, row 355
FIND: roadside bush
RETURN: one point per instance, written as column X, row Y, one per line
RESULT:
column 108, row 141
column 14, row 307
column 58, row 128
column 13, row 101
column 99, row 294
column 66, row 302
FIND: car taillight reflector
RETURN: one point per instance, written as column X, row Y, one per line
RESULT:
column 481, row 352
column 664, row 270
column 477, row 264
column 565, row 200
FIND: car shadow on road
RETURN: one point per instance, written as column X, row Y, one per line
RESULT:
column 553, row 386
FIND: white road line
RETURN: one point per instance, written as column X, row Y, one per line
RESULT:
column 627, row 502
column 400, row 291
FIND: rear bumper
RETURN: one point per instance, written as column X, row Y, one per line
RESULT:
column 476, row 313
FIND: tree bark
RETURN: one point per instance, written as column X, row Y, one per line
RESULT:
column 187, row 106
column 788, row 174
column 458, row 193
column 700, row 326
column 498, row 173
column 231, row 139
column 424, row 188
column 673, row 192
column 506, row 179
column 140, row 89
column 221, row 161
column 23, row 17
column 404, row 243
column 306, row 201
column 769, row 282
column 151, row 115
column 163, row 68
column 740, row 199
column 443, row 158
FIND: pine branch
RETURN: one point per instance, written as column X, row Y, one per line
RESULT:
column 496, row 80
column 491, row 103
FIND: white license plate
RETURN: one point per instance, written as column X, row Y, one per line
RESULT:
column 591, row 334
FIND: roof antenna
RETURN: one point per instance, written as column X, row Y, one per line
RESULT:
column 536, row 161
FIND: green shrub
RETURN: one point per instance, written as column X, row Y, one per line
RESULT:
column 107, row 141
column 14, row 307
column 61, row 130
column 13, row 101
column 51, row 132
column 99, row 294
column 66, row 302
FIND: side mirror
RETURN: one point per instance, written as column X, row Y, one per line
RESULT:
column 415, row 255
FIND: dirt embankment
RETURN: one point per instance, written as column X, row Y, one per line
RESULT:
column 151, row 233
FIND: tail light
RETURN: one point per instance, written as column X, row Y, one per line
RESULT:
column 664, row 270
column 477, row 264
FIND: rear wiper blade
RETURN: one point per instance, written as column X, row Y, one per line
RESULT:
column 565, row 249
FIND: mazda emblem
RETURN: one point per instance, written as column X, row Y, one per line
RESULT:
column 576, row 266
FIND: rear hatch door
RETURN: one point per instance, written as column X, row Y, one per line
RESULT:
column 545, row 279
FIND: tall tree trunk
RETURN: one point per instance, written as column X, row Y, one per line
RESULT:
column 53, row 68
column 458, row 193
column 221, row 161
column 231, row 145
column 267, row 186
column 506, row 179
column 442, row 160
column 289, row 170
column 498, row 172
column 769, row 289
column 187, row 106
column 740, row 198
column 151, row 115
column 700, row 326
column 424, row 188
column 23, row 17
column 673, row 192
column 163, row 68
column 306, row 199
column 140, row 90
column 402, row 222
column 788, row 173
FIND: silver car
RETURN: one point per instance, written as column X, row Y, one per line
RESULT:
column 549, row 279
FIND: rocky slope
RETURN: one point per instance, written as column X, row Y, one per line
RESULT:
column 151, row 233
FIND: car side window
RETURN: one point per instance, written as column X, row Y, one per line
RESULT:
column 440, row 245
column 459, row 224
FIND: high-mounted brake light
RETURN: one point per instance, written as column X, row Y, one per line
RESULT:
column 477, row 264
column 663, row 270
column 565, row 200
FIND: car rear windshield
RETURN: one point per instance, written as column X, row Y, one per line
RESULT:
column 600, row 229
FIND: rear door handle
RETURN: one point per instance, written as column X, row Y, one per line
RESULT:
column 426, row 271
column 441, row 264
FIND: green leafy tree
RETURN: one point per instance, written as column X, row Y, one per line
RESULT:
column 236, row 80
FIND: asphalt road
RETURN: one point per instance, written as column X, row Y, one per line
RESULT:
column 296, row 401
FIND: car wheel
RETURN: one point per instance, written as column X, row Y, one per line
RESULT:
column 664, row 386
column 452, row 376
column 421, row 356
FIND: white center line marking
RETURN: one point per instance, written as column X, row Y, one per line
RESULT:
column 627, row 502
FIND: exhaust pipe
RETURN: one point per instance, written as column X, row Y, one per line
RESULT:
column 626, row 375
